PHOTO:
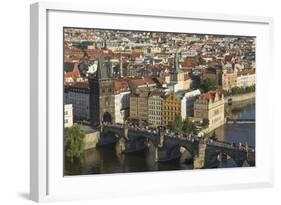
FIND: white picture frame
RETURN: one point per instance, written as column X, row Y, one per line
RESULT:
column 46, row 178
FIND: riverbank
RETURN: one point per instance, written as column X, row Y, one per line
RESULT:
column 240, row 97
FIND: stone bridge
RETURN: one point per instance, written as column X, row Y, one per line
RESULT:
column 240, row 121
column 203, row 153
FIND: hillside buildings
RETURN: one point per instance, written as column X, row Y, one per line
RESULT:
column 115, row 76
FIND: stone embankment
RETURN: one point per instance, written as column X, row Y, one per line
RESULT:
column 240, row 97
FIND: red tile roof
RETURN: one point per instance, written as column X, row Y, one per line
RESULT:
column 211, row 95
column 121, row 85
column 246, row 72
column 141, row 81
column 74, row 74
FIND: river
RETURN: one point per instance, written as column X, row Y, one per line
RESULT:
column 106, row 160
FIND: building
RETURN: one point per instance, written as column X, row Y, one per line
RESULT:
column 210, row 106
column 137, row 84
column 68, row 115
column 102, row 99
column 122, row 100
column 178, row 80
column 212, row 73
column 78, row 94
column 139, row 105
column 155, row 108
column 187, row 103
column 171, row 108
column 71, row 75
column 246, row 78
column 229, row 80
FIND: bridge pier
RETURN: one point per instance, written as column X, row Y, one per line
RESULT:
column 199, row 159
column 160, row 145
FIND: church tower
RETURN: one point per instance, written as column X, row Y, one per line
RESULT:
column 101, row 94
column 176, row 74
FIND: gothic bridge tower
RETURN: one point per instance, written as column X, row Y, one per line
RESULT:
column 102, row 94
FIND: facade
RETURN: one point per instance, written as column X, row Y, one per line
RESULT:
column 187, row 103
column 178, row 80
column 155, row 108
column 210, row 106
column 122, row 100
column 68, row 115
column 246, row 78
column 102, row 98
column 212, row 73
column 171, row 108
column 229, row 80
column 139, row 105
column 78, row 94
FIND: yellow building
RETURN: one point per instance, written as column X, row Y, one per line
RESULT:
column 171, row 108
column 210, row 106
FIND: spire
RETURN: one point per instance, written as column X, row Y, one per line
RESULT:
column 176, row 62
column 103, row 71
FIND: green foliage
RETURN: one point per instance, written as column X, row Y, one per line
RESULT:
column 208, row 84
column 74, row 142
column 205, row 122
column 183, row 126
column 177, row 124
column 240, row 90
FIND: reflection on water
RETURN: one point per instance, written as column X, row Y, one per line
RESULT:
column 244, row 133
column 107, row 160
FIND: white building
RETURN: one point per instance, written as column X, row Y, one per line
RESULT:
column 68, row 115
column 121, row 100
column 246, row 78
column 122, row 106
column 187, row 103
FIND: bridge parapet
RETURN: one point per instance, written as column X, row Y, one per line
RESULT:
column 168, row 144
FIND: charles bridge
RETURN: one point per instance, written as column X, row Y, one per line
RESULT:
column 204, row 153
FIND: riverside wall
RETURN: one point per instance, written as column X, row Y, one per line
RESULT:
column 240, row 97
column 91, row 140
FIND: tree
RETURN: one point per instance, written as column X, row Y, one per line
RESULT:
column 208, row 84
column 74, row 142
column 205, row 122
column 177, row 124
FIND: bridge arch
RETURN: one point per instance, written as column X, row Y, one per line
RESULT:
column 187, row 154
column 183, row 152
column 108, row 137
column 107, row 117
column 238, row 158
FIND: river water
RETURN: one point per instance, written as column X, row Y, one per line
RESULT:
column 106, row 160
